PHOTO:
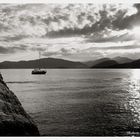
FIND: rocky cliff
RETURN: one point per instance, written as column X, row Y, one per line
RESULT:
column 14, row 121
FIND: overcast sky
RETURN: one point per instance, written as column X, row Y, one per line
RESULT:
column 77, row 32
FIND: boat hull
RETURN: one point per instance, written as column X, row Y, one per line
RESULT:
column 38, row 72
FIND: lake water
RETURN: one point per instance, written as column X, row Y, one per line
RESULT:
column 80, row 102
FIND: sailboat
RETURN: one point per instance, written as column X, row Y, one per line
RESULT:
column 38, row 70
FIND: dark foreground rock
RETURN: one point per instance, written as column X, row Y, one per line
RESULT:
column 14, row 121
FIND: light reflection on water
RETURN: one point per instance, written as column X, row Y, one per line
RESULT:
column 134, row 99
column 80, row 102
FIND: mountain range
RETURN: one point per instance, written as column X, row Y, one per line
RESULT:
column 43, row 63
column 116, row 62
column 108, row 61
column 134, row 64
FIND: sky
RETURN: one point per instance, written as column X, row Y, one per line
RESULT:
column 77, row 32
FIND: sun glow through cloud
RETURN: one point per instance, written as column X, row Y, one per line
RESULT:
column 136, row 32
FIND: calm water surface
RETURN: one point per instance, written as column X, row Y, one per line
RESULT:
column 80, row 102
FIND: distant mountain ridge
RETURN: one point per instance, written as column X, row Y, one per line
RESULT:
column 122, row 60
column 95, row 62
column 118, row 62
column 54, row 63
column 106, row 62
column 44, row 63
column 134, row 64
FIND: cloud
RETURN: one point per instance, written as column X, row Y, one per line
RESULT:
column 57, row 20
column 9, row 50
column 68, row 30
column 61, row 52
column 94, row 18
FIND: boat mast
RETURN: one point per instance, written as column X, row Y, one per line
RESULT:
column 39, row 60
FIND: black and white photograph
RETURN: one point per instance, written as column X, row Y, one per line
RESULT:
column 70, row 69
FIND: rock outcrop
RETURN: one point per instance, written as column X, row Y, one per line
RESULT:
column 14, row 121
